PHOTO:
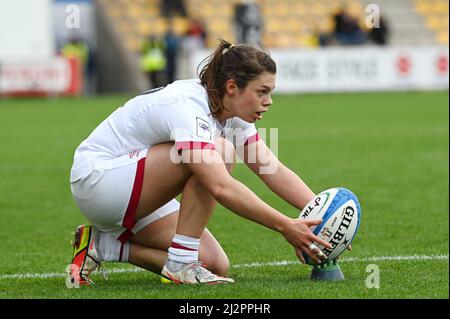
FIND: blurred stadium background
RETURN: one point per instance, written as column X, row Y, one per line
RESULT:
column 366, row 98
column 60, row 47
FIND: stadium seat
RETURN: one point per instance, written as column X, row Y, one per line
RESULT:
column 133, row 43
column 180, row 25
column 442, row 37
column 114, row 11
column 435, row 14
column 284, row 21
column 436, row 22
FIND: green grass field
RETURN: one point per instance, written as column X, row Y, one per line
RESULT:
column 390, row 149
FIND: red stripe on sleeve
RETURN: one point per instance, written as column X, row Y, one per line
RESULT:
column 252, row 139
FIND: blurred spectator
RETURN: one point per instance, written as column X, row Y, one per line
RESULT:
column 153, row 60
column 326, row 39
column 248, row 23
column 172, row 46
column 196, row 34
column 169, row 7
column 76, row 48
column 379, row 35
column 347, row 30
column 312, row 36
column 79, row 49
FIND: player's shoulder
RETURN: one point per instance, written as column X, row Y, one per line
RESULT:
column 189, row 88
column 189, row 95
column 181, row 96
column 176, row 90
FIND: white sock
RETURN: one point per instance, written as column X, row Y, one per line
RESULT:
column 111, row 249
column 184, row 249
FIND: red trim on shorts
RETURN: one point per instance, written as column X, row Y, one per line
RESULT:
column 252, row 139
column 125, row 236
column 191, row 145
column 129, row 218
column 176, row 245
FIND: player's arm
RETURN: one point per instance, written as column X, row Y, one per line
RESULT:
column 280, row 179
column 212, row 173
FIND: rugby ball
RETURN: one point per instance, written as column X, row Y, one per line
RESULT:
column 340, row 212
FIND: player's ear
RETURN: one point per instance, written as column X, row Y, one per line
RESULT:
column 231, row 87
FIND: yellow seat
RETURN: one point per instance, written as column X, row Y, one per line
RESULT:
column 151, row 10
column 424, row 6
column 133, row 44
column 273, row 24
column 285, row 41
column 133, row 10
column 223, row 9
column 159, row 26
column 325, row 25
column 206, row 10
column 442, row 37
column 219, row 26
column 179, row 25
column 292, row 24
column 123, row 26
column 437, row 22
column 318, row 9
column 114, row 11
column 144, row 28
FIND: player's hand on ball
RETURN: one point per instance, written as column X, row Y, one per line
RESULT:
column 299, row 235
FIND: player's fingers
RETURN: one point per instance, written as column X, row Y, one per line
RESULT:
column 349, row 247
column 315, row 259
column 313, row 222
column 315, row 253
column 299, row 253
column 319, row 253
column 322, row 242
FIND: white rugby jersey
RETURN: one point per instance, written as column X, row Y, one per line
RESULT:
column 176, row 113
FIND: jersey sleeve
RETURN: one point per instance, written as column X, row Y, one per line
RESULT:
column 188, row 126
column 241, row 133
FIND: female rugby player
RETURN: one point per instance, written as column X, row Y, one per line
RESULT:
column 182, row 139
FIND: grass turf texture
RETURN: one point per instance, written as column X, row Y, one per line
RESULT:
column 390, row 149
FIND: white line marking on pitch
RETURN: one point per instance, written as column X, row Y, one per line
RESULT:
column 251, row 265
column 351, row 259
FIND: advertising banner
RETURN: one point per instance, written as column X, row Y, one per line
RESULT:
column 357, row 69
column 40, row 76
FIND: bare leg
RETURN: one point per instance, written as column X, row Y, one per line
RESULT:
column 163, row 180
column 148, row 258
column 149, row 247
column 197, row 203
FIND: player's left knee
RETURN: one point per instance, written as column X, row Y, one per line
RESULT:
column 216, row 261
column 220, row 266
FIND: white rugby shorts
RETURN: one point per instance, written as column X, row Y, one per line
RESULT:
column 109, row 196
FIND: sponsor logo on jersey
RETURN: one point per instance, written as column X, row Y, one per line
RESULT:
column 203, row 129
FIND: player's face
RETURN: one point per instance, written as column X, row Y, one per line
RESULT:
column 251, row 102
